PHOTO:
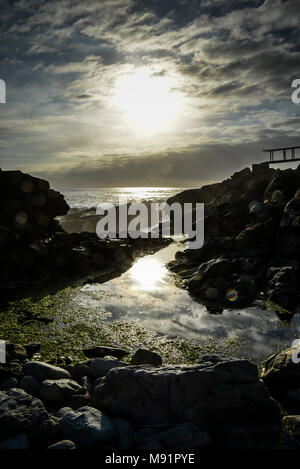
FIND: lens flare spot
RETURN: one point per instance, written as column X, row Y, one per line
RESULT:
column 21, row 218
column 27, row 186
column 212, row 294
column 231, row 294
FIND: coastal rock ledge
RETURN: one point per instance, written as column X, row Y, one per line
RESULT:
column 216, row 403
column 252, row 241
column 223, row 397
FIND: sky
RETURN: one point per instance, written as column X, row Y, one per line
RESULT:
column 146, row 92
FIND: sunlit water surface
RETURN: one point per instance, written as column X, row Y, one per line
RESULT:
column 147, row 293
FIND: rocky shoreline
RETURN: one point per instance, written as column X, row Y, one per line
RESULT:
column 252, row 249
column 106, row 403
column 116, row 399
column 36, row 252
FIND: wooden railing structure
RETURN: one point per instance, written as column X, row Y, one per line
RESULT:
column 288, row 154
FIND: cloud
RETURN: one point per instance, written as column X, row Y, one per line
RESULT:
column 193, row 166
column 231, row 62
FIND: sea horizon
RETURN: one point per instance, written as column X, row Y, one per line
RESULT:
column 86, row 198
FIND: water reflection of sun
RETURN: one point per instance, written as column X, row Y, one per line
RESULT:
column 148, row 273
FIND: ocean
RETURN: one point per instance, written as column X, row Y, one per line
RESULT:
column 87, row 198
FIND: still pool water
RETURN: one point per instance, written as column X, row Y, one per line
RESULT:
column 147, row 294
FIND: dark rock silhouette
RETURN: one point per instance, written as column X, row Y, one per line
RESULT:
column 252, row 242
column 28, row 206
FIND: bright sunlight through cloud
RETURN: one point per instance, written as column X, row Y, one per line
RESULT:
column 148, row 102
column 148, row 273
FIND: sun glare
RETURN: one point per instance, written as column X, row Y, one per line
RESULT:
column 148, row 102
column 148, row 273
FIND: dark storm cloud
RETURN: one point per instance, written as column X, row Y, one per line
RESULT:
column 194, row 165
column 234, row 60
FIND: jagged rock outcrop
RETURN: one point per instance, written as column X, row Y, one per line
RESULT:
column 224, row 397
column 252, row 234
column 28, row 207
column 281, row 374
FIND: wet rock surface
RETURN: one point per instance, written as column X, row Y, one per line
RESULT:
column 22, row 413
column 216, row 403
column 87, row 427
column 217, row 395
column 251, row 241
column 146, row 357
column 281, row 374
column 59, row 390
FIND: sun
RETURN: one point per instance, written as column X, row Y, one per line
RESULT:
column 148, row 103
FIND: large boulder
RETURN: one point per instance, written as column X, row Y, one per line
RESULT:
column 217, row 394
column 281, row 372
column 98, row 367
column 42, row 371
column 101, row 351
column 144, row 356
column 87, row 427
column 59, row 389
column 21, row 413
column 282, row 285
column 31, row 385
column 15, row 352
column 29, row 206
